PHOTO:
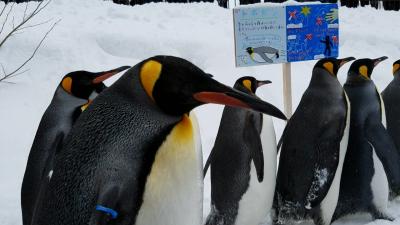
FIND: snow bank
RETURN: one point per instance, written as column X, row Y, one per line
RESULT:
column 97, row 35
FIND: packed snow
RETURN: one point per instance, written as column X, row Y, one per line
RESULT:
column 97, row 35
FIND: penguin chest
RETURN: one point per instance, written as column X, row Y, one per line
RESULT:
column 257, row 200
column 174, row 188
column 379, row 184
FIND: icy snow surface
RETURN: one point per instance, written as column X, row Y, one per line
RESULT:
column 97, row 35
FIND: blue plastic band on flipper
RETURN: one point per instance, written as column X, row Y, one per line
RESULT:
column 109, row 211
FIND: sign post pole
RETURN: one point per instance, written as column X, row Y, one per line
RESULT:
column 287, row 89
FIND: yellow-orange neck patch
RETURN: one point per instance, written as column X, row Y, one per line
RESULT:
column 396, row 68
column 149, row 75
column 66, row 83
column 329, row 67
column 247, row 84
column 363, row 71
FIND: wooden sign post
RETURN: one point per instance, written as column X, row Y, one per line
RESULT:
column 287, row 89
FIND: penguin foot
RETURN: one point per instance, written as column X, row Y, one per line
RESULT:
column 377, row 215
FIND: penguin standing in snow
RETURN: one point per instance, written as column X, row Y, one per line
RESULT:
column 391, row 98
column 71, row 98
column 371, row 162
column 314, row 145
column 134, row 157
column 243, row 164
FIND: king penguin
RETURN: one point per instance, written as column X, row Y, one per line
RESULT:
column 391, row 98
column 314, row 144
column 243, row 164
column 74, row 93
column 371, row 162
column 134, row 157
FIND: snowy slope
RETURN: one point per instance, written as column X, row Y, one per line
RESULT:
column 97, row 35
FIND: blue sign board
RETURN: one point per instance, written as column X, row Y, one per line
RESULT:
column 266, row 35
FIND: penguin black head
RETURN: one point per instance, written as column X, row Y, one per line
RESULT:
column 332, row 65
column 249, row 84
column 396, row 67
column 361, row 69
column 177, row 86
column 250, row 50
column 81, row 84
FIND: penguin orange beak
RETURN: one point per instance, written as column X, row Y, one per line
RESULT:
column 379, row 60
column 102, row 76
column 345, row 60
column 225, row 95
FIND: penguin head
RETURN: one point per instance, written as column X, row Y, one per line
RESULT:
column 249, row 84
column 82, row 84
column 396, row 67
column 361, row 69
column 250, row 50
column 177, row 86
column 332, row 65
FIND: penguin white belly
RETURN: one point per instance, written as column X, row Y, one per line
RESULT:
column 174, row 189
column 257, row 201
column 328, row 205
column 379, row 185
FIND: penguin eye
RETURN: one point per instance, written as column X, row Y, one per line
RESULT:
column 329, row 67
column 149, row 74
column 247, row 84
column 363, row 71
column 67, row 84
column 396, row 67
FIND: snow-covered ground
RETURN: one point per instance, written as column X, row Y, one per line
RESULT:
column 97, row 35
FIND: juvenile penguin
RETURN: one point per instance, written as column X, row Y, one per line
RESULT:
column 391, row 98
column 72, row 96
column 134, row 157
column 243, row 164
column 371, row 161
column 314, row 145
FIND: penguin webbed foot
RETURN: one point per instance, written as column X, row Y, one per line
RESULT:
column 377, row 215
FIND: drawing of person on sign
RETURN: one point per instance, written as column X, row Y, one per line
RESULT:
column 263, row 54
column 328, row 45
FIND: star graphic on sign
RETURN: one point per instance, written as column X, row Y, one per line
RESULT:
column 306, row 10
column 319, row 21
column 335, row 39
column 309, row 36
column 292, row 15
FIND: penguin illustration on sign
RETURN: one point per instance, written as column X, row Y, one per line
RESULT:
column 134, row 157
column 313, row 148
column 371, row 162
column 263, row 54
column 71, row 98
column 242, row 164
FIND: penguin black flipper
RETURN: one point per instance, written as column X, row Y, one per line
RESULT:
column 325, row 168
column 386, row 151
column 254, row 144
column 324, row 172
column 47, row 173
column 208, row 163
